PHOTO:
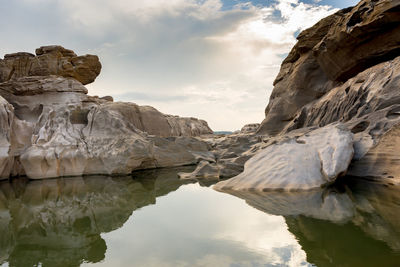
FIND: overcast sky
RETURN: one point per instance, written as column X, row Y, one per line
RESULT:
column 211, row 59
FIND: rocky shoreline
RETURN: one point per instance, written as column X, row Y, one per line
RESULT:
column 334, row 110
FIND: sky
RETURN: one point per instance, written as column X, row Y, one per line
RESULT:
column 211, row 59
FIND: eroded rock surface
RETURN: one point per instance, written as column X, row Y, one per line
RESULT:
column 332, row 51
column 303, row 163
column 250, row 128
column 52, row 128
column 152, row 121
column 346, row 69
column 50, row 60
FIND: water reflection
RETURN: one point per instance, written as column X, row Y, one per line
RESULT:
column 58, row 222
column 353, row 223
column 82, row 221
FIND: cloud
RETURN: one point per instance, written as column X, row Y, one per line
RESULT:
column 185, row 57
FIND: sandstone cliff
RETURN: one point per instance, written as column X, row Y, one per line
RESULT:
column 330, row 53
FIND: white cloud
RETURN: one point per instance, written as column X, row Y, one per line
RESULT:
column 222, row 62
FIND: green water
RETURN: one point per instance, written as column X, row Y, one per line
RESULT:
column 154, row 219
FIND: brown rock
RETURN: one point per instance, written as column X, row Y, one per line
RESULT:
column 300, row 80
column 332, row 51
column 50, row 60
column 107, row 98
column 348, row 48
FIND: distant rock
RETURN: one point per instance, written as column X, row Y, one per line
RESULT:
column 250, row 128
column 152, row 121
column 302, row 163
column 204, row 169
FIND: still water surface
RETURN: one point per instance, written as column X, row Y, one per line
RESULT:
column 154, row 219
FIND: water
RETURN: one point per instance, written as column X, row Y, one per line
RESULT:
column 154, row 219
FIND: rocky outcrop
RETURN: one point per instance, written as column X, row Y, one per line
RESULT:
column 50, row 60
column 52, row 128
column 332, row 51
column 346, row 69
column 310, row 161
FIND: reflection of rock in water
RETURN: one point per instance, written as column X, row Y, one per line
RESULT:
column 58, row 222
column 352, row 224
column 330, row 244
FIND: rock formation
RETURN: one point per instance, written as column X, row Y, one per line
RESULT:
column 52, row 128
column 345, row 69
column 310, row 161
column 151, row 121
column 50, row 60
column 334, row 50
column 250, row 128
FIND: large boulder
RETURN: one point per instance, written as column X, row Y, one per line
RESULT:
column 50, row 60
column 310, row 161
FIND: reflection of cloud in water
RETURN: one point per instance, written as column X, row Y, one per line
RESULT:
column 343, row 225
column 197, row 226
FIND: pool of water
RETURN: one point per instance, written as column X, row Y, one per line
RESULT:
column 153, row 219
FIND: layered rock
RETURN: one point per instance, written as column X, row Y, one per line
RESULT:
column 50, row 60
column 152, row 121
column 52, row 128
column 332, row 51
column 346, row 69
column 229, row 155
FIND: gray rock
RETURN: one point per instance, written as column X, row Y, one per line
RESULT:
column 304, row 163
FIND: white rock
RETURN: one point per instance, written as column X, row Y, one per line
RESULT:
column 307, row 162
column 51, row 128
